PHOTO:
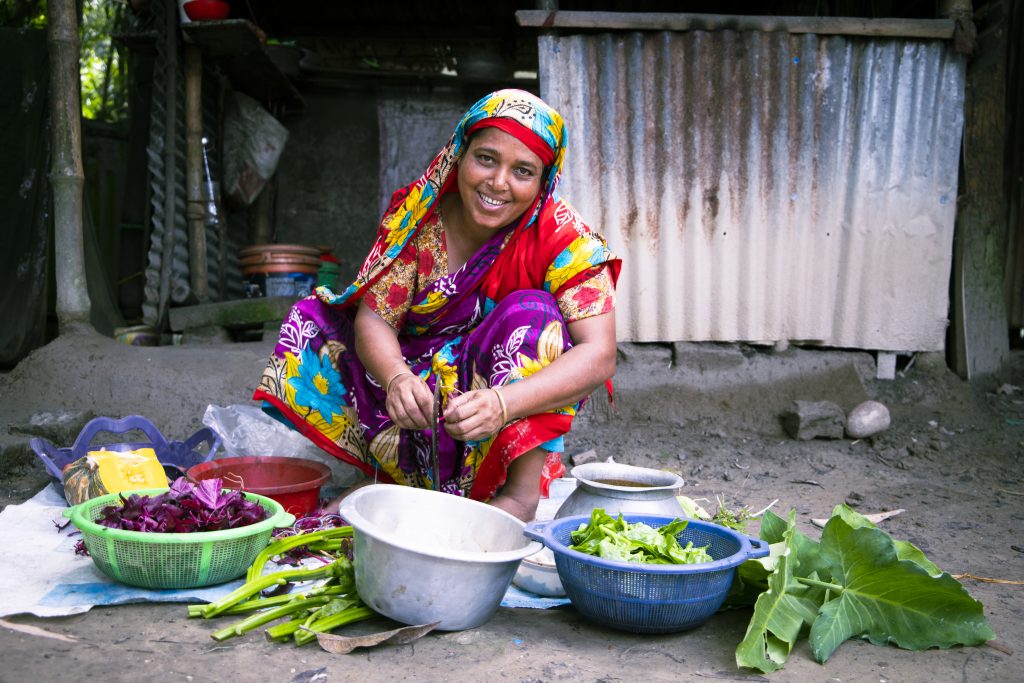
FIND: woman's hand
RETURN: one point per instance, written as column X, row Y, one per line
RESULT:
column 410, row 403
column 474, row 415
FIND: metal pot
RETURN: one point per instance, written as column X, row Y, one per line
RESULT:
column 622, row 488
column 424, row 556
column 538, row 574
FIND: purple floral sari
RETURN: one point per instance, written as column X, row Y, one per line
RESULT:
column 453, row 335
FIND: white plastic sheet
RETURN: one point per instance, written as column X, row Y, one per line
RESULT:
column 40, row 573
column 247, row 430
column 253, row 142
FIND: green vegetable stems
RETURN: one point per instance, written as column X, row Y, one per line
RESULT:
column 317, row 610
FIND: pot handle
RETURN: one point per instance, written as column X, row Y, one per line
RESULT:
column 49, row 454
column 758, row 548
column 188, row 452
column 535, row 530
column 115, row 426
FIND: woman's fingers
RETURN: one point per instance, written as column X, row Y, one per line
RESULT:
column 473, row 416
column 410, row 403
column 425, row 407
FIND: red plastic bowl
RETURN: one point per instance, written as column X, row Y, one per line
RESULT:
column 293, row 482
column 206, row 10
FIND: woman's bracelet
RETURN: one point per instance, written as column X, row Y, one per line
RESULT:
column 504, row 407
column 387, row 387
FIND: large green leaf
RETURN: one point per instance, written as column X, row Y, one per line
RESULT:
column 889, row 600
column 808, row 556
column 751, row 578
column 780, row 614
column 773, row 527
column 904, row 549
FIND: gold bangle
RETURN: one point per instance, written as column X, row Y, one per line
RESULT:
column 387, row 387
column 504, row 408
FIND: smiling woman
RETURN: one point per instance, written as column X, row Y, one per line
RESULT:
column 483, row 287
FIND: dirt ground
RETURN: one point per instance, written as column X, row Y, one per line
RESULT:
column 951, row 460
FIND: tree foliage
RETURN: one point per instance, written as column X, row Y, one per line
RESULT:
column 103, row 67
column 103, row 64
column 23, row 13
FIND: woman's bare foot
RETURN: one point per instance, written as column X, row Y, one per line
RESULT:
column 521, row 509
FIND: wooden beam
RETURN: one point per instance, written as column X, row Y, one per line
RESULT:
column 237, row 45
column 195, row 212
column 237, row 313
column 663, row 21
column 980, row 340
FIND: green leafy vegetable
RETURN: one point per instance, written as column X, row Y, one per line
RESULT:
column 692, row 508
column 889, row 600
column 857, row 582
column 317, row 609
column 904, row 549
column 805, row 549
column 781, row 614
column 731, row 519
column 617, row 539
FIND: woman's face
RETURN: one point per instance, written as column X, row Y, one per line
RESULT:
column 499, row 177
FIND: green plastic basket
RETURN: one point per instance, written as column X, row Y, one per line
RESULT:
column 166, row 561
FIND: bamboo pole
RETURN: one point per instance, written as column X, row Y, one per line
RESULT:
column 664, row 21
column 66, row 174
column 195, row 206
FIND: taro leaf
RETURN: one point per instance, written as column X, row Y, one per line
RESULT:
column 751, row 578
column 773, row 527
column 889, row 600
column 610, row 549
column 780, row 614
column 688, row 554
column 616, row 539
column 808, row 555
column 904, row 549
column 643, row 534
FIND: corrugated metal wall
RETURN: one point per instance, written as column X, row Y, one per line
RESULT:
column 766, row 186
column 167, row 271
column 167, row 258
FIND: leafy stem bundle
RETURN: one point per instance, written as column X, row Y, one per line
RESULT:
column 855, row 582
column 314, row 610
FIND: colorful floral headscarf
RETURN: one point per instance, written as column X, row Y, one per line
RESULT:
column 411, row 205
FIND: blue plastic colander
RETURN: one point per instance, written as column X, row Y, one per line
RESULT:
column 648, row 598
